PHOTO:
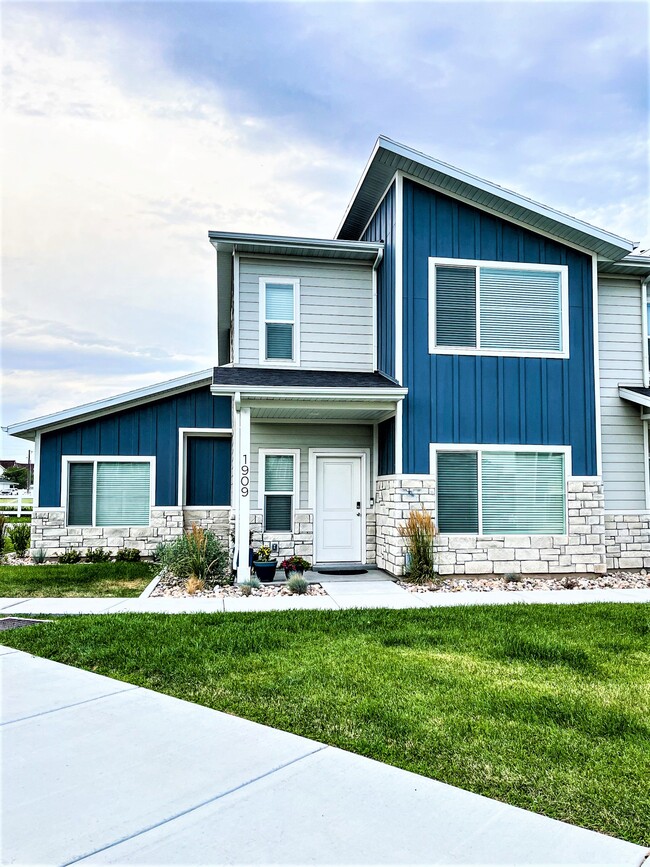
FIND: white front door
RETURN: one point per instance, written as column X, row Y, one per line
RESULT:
column 338, row 518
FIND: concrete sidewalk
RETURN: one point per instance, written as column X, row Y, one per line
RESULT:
column 98, row 771
column 340, row 594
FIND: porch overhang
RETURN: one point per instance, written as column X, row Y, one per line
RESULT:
column 309, row 395
column 636, row 394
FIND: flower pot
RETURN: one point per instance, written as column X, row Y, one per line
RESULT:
column 294, row 571
column 265, row 570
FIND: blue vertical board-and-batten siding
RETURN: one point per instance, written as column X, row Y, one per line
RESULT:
column 382, row 228
column 147, row 430
column 488, row 399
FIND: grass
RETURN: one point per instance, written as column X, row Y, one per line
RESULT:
column 79, row 579
column 545, row 707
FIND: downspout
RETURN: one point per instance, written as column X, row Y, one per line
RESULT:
column 644, row 330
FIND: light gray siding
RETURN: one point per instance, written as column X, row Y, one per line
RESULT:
column 336, row 312
column 620, row 335
column 265, row 435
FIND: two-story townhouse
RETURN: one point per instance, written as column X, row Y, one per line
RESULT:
column 442, row 351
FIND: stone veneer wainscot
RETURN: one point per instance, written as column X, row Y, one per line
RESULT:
column 581, row 550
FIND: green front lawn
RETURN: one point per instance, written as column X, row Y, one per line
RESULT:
column 80, row 579
column 545, row 707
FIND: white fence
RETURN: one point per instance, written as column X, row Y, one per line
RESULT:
column 16, row 505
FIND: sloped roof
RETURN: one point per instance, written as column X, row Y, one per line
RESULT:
column 292, row 378
column 389, row 156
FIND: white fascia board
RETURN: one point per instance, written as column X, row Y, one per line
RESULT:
column 634, row 396
column 295, row 393
column 303, row 244
column 28, row 428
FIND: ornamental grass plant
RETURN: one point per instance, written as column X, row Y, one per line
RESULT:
column 420, row 532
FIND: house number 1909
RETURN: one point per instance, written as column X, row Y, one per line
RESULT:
column 244, row 479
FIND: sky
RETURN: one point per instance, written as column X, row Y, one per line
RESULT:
column 131, row 129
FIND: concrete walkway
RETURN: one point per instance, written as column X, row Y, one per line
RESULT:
column 340, row 594
column 96, row 771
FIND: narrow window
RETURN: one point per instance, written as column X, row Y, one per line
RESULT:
column 80, row 494
column 457, row 492
column 279, row 321
column 455, row 306
column 278, row 493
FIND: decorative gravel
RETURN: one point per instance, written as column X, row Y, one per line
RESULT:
column 170, row 585
column 611, row 581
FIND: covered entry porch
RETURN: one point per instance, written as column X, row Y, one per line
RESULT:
column 306, row 457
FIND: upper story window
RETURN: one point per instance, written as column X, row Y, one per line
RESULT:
column 279, row 322
column 498, row 308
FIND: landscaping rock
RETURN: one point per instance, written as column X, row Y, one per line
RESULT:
column 612, row 581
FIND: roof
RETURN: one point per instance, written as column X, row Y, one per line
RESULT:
column 634, row 265
column 236, row 378
column 283, row 245
column 389, row 156
column 27, row 429
column 636, row 394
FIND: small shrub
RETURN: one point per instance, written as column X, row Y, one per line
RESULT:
column 158, row 553
column 297, row 584
column 254, row 582
column 512, row 578
column 38, row 556
column 419, row 530
column 3, row 530
column 127, row 555
column 245, row 589
column 197, row 552
column 570, row 582
column 194, row 585
column 73, row 555
column 98, row 555
column 20, row 535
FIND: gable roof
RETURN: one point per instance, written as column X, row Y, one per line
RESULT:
column 27, row 429
column 389, row 157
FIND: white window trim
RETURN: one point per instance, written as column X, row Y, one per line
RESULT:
column 562, row 270
column 183, row 434
column 66, row 460
column 279, row 362
column 479, row 448
column 261, row 487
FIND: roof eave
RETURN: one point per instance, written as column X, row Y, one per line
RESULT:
column 592, row 237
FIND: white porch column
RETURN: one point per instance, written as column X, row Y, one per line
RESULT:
column 243, row 498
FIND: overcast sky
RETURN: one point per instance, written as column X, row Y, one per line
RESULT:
column 131, row 129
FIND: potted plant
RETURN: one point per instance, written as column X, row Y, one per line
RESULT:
column 294, row 566
column 263, row 565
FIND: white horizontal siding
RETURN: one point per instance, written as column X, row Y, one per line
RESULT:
column 620, row 335
column 336, row 320
column 303, row 436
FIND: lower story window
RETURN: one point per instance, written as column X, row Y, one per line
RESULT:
column 501, row 492
column 105, row 493
column 279, row 473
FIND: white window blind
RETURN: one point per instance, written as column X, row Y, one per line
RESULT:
column 80, row 494
column 122, row 494
column 278, row 492
column 523, row 492
column 501, row 492
column 279, row 321
column 520, row 309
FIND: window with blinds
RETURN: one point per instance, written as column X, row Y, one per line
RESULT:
column 499, row 492
column 278, row 492
column 109, row 493
column 279, row 307
column 498, row 307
